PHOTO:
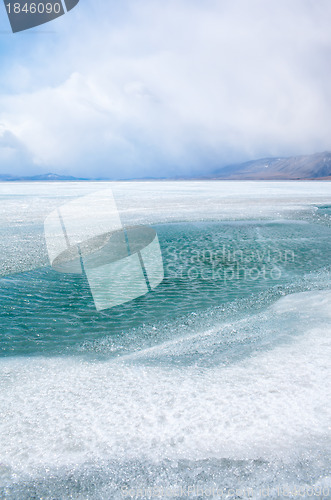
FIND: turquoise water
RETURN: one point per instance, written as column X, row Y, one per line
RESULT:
column 217, row 378
column 207, row 265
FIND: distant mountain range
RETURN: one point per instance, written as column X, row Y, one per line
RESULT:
column 316, row 167
column 42, row 177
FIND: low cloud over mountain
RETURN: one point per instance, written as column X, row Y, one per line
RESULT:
column 316, row 166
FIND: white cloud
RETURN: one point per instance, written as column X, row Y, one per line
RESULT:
column 157, row 88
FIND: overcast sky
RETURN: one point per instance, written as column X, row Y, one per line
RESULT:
column 135, row 88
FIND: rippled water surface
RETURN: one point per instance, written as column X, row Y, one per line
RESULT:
column 207, row 265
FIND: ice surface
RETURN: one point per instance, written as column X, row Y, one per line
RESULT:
column 25, row 206
column 273, row 405
column 139, row 418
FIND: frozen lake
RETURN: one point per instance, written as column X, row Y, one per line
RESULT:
column 218, row 378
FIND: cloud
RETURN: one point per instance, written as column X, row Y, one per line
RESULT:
column 153, row 88
column 13, row 153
